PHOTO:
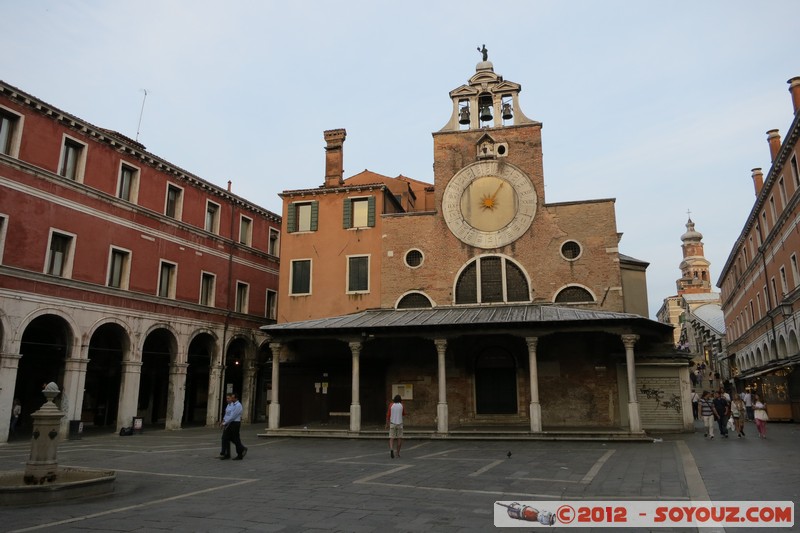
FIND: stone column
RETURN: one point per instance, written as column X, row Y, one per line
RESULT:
column 633, row 404
column 177, row 395
column 535, row 407
column 9, row 363
column 129, row 393
column 274, row 404
column 248, row 389
column 72, row 389
column 442, row 424
column 355, row 406
column 214, row 404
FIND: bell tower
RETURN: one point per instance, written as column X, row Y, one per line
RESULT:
column 695, row 277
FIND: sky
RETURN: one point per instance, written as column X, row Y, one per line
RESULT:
column 663, row 106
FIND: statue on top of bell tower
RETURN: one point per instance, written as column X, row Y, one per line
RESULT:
column 485, row 52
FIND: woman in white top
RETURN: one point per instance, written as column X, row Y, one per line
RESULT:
column 760, row 414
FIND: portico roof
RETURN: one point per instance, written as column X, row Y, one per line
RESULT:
column 495, row 317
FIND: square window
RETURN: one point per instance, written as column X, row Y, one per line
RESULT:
column 207, row 285
column 119, row 268
column 128, row 186
column 302, row 216
column 245, row 231
column 300, row 281
column 10, row 127
column 212, row 217
column 272, row 305
column 166, row 279
column 174, row 204
column 242, row 293
column 358, row 273
column 359, row 212
column 59, row 257
column 73, row 159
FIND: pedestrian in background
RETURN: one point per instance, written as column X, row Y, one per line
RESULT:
column 394, row 422
column 738, row 413
column 231, row 426
column 707, row 412
column 695, row 401
column 16, row 411
column 761, row 416
column 748, row 404
column 722, row 410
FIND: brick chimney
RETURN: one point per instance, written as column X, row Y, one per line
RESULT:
column 758, row 180
column 334, row 160
column 774, row 140
column 794, row 89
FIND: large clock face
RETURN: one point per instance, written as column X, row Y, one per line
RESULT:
column 489, row 204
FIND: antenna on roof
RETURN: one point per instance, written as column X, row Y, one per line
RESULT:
column 140, row 115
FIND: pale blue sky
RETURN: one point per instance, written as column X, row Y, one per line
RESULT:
column 661, row 105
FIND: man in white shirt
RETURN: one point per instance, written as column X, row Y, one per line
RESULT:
column 748, row 404
column 394, row 422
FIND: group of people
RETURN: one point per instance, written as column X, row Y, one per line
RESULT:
column 729, row 413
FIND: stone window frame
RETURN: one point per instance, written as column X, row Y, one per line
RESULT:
column 565, row 244
column 421, row 258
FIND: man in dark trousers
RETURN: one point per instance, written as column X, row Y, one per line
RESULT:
column 722, row 411
column 231, row 424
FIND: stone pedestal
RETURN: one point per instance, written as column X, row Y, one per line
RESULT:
column 42, row 468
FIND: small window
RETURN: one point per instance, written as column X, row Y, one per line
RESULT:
column 272, row 305
column 359, row 212
column 795, row 172
column 574, row 295
column 119, row 268
column 128, row 186
column 300, row 281
column 571, row 250
column 782, row 190
column 174, row 203
column 208, row 284
column 792, row 260
column 784, row 281
column 73, row 159
column 3, row 227
column 358, row 273
column 414, row 258
column 212, row 217
column 302, row 216
column 274, row 242
column 59, row 257
column 166, row 279
column 242, row 296
column 10, row 128
column 414, row 300
column 245, row 230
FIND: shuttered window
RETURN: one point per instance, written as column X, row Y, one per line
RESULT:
column 358, row 212
column 302, row 216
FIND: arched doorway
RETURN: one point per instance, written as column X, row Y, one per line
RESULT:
column 197, row 375
column 158, row 352
column 45, row 346
column 103, row 375
column 495, row 383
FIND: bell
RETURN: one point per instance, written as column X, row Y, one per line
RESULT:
column 486, row 113
column 507, row 115
column 463, row 115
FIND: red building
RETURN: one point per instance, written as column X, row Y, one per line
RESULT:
column 133, row 284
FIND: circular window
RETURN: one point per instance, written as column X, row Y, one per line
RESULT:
column 571, row 250
column 413, row 258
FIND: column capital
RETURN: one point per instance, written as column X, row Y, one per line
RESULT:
column 629, row 340
column 275, row 347
column 132, row 366
column 9, row 360
column 355, row 347
column 441, row 344
column 178, row 368
column 532, row 342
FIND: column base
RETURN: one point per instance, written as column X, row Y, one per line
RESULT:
column 536, row 417
column 633, row 417
column 274, row 415
column 442, row 424
column 355, row 418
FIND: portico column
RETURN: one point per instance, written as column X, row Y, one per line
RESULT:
column 633, row 404
column 535, row 407
column 72, row 389
column 9, row 363
column 247, row 391
column 274, row 405
column 355, row 406
column 214, row 394
column 177, row 395
column 129, row 393
column 442, row 424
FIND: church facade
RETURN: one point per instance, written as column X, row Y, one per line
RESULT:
column 472, row 297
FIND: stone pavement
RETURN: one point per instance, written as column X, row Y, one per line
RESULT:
column 173, row 481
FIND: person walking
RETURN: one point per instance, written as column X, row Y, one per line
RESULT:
column 760, row 415
column 748, row 404
column 695, row 402
column 231, row 426
column 738, row 413
column 394, row 422
column 707, row 412
column 722, row 410
column 16, row 411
